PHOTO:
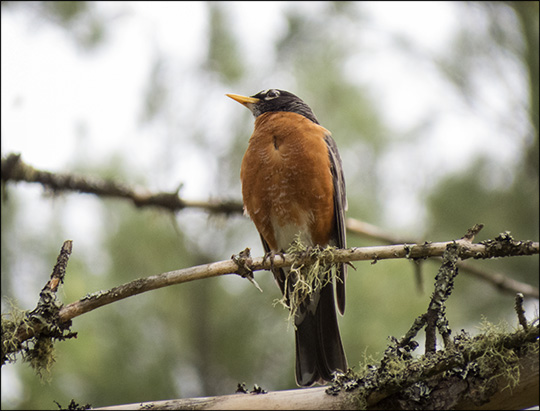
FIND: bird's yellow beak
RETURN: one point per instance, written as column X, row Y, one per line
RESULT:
column 246, row 101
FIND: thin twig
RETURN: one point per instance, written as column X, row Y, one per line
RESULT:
column 44, row 320
column 499, row 280
column 435, row 316
column 520, row 311
column 444, row 284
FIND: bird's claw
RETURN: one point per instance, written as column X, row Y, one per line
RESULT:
column 271, row 255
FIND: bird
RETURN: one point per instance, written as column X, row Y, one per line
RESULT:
column 293, row 187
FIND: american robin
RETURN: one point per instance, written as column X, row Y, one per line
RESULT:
column 293, row 185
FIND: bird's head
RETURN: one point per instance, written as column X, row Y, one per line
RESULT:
column 275, row 100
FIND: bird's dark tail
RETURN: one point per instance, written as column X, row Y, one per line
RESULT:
column 319, row 350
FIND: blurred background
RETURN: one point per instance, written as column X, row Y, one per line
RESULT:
column 434, row 107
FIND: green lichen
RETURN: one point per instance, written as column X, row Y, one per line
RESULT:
column 11, row 324
column 488, row 362
column 41, row 357
column 32, row 334
column 497, row 360
column 308, row 274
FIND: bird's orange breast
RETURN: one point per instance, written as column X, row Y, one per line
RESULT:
column 286, row 180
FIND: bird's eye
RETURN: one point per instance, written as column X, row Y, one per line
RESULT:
column 271, row 94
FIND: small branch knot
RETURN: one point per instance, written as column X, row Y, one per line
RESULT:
column 472, row 232
column 244, row 261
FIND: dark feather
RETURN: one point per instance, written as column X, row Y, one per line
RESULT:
column 340, row 205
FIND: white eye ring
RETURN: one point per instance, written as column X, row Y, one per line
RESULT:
column 271, row 94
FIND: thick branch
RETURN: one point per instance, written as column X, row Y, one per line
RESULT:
column 303, row 399
column 441, row 372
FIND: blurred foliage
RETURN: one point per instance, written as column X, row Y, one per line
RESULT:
column 223, row 56
column 527, row 13
column 203, row 338
column 316, row 48
column 156, row 92
column 470, row 195
column 81, row 19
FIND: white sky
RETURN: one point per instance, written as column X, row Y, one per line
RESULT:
column 50, row 90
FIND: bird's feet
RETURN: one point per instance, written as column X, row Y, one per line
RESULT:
column 271, row 255
column 310, row 254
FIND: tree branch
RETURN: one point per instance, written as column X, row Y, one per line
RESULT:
column 14, row 169
column 502, row 246
column 232, row 266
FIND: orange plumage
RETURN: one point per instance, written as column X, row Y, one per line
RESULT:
column 286, row 180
